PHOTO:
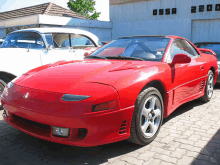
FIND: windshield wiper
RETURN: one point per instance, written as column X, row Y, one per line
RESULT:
column 124, row 57
column 92, row 56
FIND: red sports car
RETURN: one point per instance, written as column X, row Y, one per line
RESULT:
column 121, row 91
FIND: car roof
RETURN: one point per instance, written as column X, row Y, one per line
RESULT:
column 62, row 30
column 207, row 43
column 159, row 36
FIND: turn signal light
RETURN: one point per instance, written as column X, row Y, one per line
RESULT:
column 105, row 106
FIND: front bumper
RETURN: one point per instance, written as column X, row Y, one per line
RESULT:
column 101, row 128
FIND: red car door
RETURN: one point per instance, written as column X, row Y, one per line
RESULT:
column 186, row 78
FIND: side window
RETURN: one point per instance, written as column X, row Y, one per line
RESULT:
column 79, row 40
column 191, row 49
column 61, row 40
column 182, row 46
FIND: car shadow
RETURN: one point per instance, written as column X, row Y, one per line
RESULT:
column 14, row 143
column 182, row 109
column 187, row 107
column 29, row 149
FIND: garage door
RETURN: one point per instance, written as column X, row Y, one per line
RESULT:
column 206, row 31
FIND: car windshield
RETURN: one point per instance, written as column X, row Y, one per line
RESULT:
column 214, row 46
column 133, row 48
column 29, row 40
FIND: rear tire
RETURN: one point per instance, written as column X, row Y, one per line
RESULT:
column 209, row 88
column 147, row 117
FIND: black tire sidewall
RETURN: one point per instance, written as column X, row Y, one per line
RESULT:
column 148, row 92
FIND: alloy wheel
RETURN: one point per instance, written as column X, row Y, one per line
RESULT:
column 210, row 86
column 150, row 116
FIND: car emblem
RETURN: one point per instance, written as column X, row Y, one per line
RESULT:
column 26, row 95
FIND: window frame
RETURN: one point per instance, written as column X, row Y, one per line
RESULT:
column 168, row 58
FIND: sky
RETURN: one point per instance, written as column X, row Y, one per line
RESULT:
column 6, row 5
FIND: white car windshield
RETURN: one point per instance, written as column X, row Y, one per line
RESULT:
column 30, row 40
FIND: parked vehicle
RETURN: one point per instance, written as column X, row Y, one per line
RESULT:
column 121, row 91
column 23, row 50
column 1, row 41
column 215, row 46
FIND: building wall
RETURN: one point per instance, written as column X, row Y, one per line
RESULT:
column 137, row 18
column 103, row 29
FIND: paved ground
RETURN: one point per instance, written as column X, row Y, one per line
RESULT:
column 191, row 135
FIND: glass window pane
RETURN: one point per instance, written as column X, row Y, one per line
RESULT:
column 146, row 48
column 29, row 40
column 78, row 40
column 182, row 46
column 61, row 40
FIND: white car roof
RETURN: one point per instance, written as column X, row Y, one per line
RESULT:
column 62, row 30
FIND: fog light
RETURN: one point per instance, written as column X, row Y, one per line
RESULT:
column 64, row 132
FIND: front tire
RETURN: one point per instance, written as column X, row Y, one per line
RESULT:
column 209, row 88
column 3, row 82
column 147, row 117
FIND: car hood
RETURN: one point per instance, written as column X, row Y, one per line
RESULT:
column 65, row 77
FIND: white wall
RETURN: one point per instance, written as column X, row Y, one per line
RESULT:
column 137, row 18
column 2, row 33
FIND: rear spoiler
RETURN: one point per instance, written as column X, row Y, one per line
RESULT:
column 207, row 51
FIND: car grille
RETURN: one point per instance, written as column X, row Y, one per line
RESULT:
column 31, row 126
column 202, row 85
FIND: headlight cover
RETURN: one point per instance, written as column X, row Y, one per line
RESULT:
column 69, row 97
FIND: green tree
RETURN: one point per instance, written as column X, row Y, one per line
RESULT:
column 84, row 7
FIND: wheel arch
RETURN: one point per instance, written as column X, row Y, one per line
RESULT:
column 213, row 70
column 156, row 84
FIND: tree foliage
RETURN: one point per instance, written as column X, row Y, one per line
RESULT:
column 84, row 7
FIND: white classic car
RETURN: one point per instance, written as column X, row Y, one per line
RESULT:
column 24, row 50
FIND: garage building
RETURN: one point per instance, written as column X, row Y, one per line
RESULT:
column 196, row 20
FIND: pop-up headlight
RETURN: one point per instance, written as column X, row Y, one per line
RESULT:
column 68, row 97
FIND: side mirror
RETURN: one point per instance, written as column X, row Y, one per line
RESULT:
column 180, row 59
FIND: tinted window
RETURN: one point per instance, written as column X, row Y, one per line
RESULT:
column 146, row 48
column 181, row 46
column 30, row 40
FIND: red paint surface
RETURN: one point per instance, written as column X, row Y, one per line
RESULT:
column 104, row 81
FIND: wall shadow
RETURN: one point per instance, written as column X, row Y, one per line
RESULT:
column 212, row 149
